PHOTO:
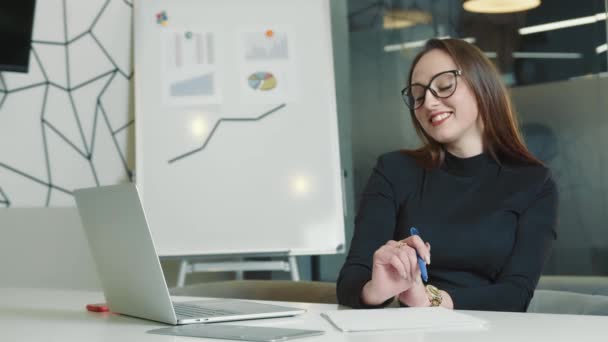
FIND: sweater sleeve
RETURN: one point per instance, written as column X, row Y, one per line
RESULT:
column 374, row 226
column 514, row 287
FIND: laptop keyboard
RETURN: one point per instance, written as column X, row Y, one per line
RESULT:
column 194, row 310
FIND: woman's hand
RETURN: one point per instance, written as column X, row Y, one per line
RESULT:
column 416, row 295
column 395, row 269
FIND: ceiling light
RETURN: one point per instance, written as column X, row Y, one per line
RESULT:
column 601, row 48
column 563, row 24
column 418, row 43
column 499, row 6
column 549, row 55
column 396, row 18
column 539, row 55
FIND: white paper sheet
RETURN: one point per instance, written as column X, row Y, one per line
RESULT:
column 401, row 319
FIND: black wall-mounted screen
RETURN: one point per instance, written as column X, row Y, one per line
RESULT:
column 16, row 23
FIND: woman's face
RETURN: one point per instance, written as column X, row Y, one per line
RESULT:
column 452, row 121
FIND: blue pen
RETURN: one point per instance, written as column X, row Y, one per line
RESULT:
column 421, row 263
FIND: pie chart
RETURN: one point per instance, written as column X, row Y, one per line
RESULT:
column 263, row 81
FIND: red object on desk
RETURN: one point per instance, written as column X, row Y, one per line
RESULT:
column 100, row 307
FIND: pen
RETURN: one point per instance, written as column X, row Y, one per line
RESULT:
column 421, row 263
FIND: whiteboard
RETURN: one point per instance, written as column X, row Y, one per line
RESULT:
column 236, row 127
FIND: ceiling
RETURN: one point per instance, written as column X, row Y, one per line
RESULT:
column 498, row 34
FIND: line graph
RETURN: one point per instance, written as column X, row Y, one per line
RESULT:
column 216, row 126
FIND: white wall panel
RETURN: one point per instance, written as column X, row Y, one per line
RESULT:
column 66, row 123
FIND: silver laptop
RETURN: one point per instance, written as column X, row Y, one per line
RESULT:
column 129, row 268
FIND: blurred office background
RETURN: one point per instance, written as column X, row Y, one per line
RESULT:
column 557, row 76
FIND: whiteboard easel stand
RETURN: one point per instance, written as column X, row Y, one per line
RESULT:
column 239, row 266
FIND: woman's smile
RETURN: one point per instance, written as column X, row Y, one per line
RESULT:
column 437, row 119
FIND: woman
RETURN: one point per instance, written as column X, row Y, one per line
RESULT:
column 475, row 193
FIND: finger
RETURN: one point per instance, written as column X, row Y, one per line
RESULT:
column 400, row 249
column 398, row 265
column 396, row 247
column 428, row 246
column 399, row 252
column 407, row 255
column 403, row 257
column 384, row 254
column 393, row 243
column 416, row 242
column 413, row 261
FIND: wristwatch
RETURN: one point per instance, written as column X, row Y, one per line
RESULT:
column 434, row 295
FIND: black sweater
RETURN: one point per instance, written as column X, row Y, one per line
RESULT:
column 490, row 227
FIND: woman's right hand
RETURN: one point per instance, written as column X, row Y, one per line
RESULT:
column 395, row 270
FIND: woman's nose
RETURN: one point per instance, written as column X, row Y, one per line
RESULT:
column 430, row 100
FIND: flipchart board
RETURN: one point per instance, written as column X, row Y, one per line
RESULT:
column 236, row 127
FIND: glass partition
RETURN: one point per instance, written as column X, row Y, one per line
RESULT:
column 553, row 58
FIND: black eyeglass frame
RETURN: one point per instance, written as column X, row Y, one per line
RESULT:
column 405, row 96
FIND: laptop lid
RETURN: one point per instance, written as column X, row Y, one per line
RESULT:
column 122, row 247
column 129, row 268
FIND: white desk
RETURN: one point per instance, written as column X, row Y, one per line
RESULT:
column 29, row 315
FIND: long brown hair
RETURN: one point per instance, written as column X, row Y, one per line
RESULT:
column 501, row 136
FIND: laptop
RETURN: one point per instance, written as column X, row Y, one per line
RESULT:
column 129, row 268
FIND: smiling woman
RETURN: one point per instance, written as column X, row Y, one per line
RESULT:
column 482, row 108
column 475, row 193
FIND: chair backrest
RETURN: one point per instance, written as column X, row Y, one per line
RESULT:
column 595, row 285
column 563, row 302
column 280, row 290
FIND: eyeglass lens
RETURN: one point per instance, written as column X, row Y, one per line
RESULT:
column 442, row 86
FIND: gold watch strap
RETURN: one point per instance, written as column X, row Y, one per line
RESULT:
column 434, row 295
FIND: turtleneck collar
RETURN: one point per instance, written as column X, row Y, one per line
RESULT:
column 470, row 166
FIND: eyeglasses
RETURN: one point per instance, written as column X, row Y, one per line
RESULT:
column 442, row 86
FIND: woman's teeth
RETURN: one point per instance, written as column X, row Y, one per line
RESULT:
column 440, row 117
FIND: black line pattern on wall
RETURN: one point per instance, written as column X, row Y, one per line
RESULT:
column 2, row 90
column 98, row 113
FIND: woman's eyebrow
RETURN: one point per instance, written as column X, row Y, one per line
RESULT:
column 417, row 82
column 431, row 78
column 414, row 81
